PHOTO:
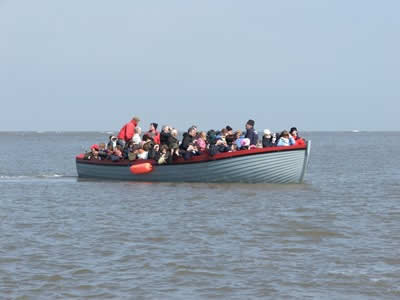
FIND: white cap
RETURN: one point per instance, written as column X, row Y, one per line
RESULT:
column 267, row 132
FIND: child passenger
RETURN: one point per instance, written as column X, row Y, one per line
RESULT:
column 239, row 137
column 201, row 142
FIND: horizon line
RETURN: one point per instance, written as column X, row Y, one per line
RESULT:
column 116, row 131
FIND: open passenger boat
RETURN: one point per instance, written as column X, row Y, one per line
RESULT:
column 265, row 165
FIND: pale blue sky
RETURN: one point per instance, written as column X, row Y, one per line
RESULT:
column 92, row 65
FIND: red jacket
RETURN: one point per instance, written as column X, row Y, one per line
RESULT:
column 155, row 135
column 156, row 138
column 299, row 141
column 126, row 133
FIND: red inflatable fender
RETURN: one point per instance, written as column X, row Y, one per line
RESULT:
column 144, row 168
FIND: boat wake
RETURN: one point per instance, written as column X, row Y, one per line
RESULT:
column 34, row 177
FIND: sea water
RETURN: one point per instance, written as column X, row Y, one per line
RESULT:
column 337, row 236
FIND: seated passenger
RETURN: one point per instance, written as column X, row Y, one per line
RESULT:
column 131, row 151
column 117, row 154
column 187, row 146
column 211, row 142
column 221, row 143
column 251, row 133
column 268, row 139
column 110, row 150
column 136, row 138
column 295, row 134
column 153, row 134
column 173, row 143
column 211, row 137
column 112, row 141
column 230, row 136
column 229, row 130
column 286, row 139
column 191, row 151
column 154, row 152
column 165, row 157
column 144, row 152
column 201, row 142
column 222, row 134
column 164, row 135
column 132, row 155
column 238, row 139
column 245, row 144
column 188, row 138
column 102, row 151
column 127, row 149
column 93, row 153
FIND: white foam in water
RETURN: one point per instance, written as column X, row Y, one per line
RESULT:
column 12, row 177
column 51, row 176
column 16, row 177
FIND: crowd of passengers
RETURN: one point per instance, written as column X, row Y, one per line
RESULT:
column 164, row 146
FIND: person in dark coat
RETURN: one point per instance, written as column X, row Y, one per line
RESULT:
column 154, row 152
column 188, row 138
column 188, row 149
column 268, row 139
column 251, row 134
column 165, row 135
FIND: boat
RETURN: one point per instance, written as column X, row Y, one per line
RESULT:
column 260, row 165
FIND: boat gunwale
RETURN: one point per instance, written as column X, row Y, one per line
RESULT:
column 203, row 158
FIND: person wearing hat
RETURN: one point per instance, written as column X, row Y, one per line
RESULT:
column 153, row 134
column 251, row 134
column 268, row 139
column 127, row 131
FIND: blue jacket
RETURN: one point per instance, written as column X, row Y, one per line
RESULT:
column 286, row 142
column 252, row 135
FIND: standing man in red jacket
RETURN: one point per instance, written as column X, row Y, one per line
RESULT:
column 126, row 133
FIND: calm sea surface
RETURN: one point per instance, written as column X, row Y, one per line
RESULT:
column 335, row 237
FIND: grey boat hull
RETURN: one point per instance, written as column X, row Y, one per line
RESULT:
column 284, row 165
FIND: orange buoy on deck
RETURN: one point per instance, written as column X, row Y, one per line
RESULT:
column 144, row 168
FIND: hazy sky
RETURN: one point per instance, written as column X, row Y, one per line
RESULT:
column 93, row 65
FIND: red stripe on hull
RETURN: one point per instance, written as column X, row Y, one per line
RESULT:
column 196, row 159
